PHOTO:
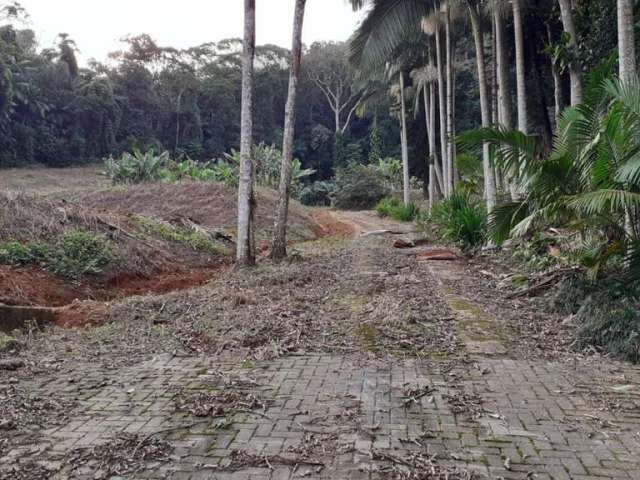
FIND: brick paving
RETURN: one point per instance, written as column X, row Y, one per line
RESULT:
column 487, row 411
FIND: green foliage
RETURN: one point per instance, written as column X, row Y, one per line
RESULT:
column 461, row 220
column 318, row 193
column 533, row 254
column 16, row 253
column 137, row 167
column 390, row 170
column 73, row 254
column 359, row 187
column 590, row 183
column 394, row 208
column 190, row 169
column 78, row 253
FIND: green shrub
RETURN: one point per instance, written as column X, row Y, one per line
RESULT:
column 359, row 187
column 461, row 220
column 394, row 208
column 73, row 254
column 189, row 169
column 317, row 193
column 78, row 253
column 137, row 167
column 16, row 253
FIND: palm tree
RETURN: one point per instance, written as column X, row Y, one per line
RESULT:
column 245, row 255
column 575, row 76
column 485, row 107
column 626, row 41
column 449, row 49
column 406, row 189
column 432, row 25
column 279, row 246
column 523, row 115
column 502, row 67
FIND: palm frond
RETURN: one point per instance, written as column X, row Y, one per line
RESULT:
column 386, row 25
column 604, row 201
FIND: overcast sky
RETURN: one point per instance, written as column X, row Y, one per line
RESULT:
column 97, row 25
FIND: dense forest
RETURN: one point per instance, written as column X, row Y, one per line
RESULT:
column 56, row 112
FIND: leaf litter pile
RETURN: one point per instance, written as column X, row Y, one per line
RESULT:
column 126, row 453
column 344, row 298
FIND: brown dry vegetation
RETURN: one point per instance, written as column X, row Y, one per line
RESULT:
column 38, row 205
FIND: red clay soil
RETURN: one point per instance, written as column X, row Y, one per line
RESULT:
column 81, row 313
column 328, row 225
column 36, row 287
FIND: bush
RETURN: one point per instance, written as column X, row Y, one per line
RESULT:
column 137, row 167
column 461, row 220
column 394, row 208
column 78, row 253
column 72, row 255
column 318, row 193
column 358, row 187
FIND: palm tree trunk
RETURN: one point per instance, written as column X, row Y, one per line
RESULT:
column 626, row 41
column 450, row 101
column 442, row 107
column 435, row 177
column 521, row 87
column 279, row 246
column 245, row 254
column 627, row 59
column 574, row 69
column 502, row 67
column 405, row 152
column 478, row 37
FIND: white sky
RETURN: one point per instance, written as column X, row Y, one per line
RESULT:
column 98, row 25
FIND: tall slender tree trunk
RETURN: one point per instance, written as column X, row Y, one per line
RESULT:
column 494, row 76
column 558, row 97
column 575, row 76
column 406, row 192
column 450, row 101
column 627, row 59
column 521, row 83
column 489, row 175
column 279, row 246
column 442, row 108
column 245, row 255
column 502, row 67
column 626, row 41
column 435, row 177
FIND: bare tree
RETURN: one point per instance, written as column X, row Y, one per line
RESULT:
column 521, row 84
column 245, row 255
column 405, row 151
column 329, row 69
column 279, row 247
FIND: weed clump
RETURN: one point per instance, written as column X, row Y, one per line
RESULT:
column 461, row 219
column 394, row 208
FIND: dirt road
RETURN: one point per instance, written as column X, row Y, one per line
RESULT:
column 353, row 360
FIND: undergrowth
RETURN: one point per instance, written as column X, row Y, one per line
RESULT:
column 461, row 219
column 195, row 240
column 394, row 208
column 607, row 314
column 71, row 255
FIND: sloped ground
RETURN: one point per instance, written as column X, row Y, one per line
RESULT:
column 351, row 361
column 166, row 237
